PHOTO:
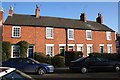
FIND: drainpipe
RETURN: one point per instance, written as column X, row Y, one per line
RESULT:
column 66, row 39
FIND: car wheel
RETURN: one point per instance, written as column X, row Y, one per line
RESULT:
column 41, row 71
column 117, row 68
column 84, row 70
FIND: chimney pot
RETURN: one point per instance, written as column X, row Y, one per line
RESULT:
column 11, row 11
column 1, row 15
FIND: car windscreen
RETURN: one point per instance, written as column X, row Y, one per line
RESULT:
column 79, row 59
column 16, row 75
column 34, row 61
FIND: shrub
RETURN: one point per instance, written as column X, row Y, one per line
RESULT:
column 72, row 55
column 39, row 56
column 6, row 49
column 23, row 48
column 58, row 61
column 106, row 55
column 48, row 60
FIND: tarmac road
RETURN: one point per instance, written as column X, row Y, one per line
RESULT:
column 65, row 74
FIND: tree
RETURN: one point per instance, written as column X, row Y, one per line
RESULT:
column 23, row 48
column 6, row 49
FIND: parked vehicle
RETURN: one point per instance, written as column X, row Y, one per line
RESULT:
column 7, row 73
column 94, row 63
column 28, row 65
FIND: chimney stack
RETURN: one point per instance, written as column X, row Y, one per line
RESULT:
column 99, row 19
column 1, row 16
column 83, row 17
column 37, row 11
column 11, row 11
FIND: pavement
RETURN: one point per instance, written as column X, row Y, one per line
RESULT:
column 65, row 74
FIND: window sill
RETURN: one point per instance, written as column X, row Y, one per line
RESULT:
column 70, row 39
column 89, row 39
column 49, row 38
column 16, row 37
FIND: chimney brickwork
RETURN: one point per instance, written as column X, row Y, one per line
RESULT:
column 37, row 12
column 99, row 19
column 83, row 17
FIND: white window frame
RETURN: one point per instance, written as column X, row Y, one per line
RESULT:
column 109, row 45
column 60, row 46
column 13, row 32
column 12, row 51
column 47, row 32
column 80, row 45
column 71, row 45
column 87, row 34
column 107, row 35
column 69, row 33
column 51, row 45
column 91, row 45
column 115, row 36
column 0, row 22
column 100, row 46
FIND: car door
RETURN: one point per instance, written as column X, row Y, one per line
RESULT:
column 90, row 62
column 15, row 63
column 102, row 63
column 29, row 66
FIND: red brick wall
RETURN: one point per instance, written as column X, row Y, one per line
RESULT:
column 37, row 36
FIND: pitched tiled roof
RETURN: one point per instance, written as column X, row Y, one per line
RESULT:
column 31, row 20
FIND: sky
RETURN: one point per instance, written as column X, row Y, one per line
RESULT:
column 109, row 10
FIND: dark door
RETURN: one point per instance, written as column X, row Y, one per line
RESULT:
column 30, row 51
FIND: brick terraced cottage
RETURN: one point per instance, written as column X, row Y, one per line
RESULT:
column 53, row 35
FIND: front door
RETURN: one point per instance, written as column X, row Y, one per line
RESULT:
column 30, row 51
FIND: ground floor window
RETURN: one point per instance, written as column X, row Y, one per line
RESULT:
column 89, row 49
column 80, row 47
column 109, row 46
column 50, row 49
column 62, row 49
column 101, row 48
column 71, row 47
column 15, row 51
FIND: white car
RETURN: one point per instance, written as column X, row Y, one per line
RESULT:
column 13, row 74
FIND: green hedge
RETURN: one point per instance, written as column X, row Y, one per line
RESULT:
column 72, row 55
column 58, row 61
column 41, row 57
column 106, row 55
column 6, row 49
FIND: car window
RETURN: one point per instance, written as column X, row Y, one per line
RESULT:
column 79, row 59
column 102, row 59
column 90, row 59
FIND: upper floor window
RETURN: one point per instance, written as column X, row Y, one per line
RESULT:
column 70, row 34
column 108, row 35
column 88, row 34
column 49, row 33
column 16, row 31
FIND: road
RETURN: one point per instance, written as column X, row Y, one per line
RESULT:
column 65, row 74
